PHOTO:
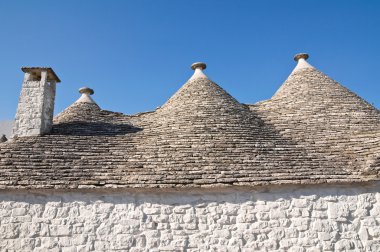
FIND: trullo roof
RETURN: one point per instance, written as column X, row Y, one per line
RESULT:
column 313, row 130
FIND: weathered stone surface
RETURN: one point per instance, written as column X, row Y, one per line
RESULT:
column 313, row 130
column 189, row 220
column 36, row 103
column 327, row 120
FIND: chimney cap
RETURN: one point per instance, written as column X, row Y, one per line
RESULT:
column 298, row 56
column 37, row 71
column 86, row 90
column 200, row 65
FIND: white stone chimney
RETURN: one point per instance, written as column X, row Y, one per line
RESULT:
column 36, row 104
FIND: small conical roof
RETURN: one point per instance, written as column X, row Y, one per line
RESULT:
column 83, row 109
column 84, row 117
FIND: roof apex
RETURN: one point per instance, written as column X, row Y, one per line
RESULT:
column 86, row 95
column 301, row 62
column 298, row 56
column 198, row 68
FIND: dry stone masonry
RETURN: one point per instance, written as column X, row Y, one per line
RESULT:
column 341, row 218
column 203, row 172
column 36, row 105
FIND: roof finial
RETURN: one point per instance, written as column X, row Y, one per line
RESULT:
column 198, row 68
column 298, row 56
column 198, row 65
column 86, row 95
column 86, row 90
column 301, row 62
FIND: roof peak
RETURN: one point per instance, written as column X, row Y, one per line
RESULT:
column 301, row 62
column 299, row 56
column 81, row 109
column 86, row 95
column 201, row 93
column 198, row 68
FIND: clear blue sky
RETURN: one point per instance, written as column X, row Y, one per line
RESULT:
column 136, row 54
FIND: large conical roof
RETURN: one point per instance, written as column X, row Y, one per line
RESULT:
column 311, row 91
column 201, row 98
column 202, row 130
column 317, row 111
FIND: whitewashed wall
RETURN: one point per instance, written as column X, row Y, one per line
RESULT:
column 317, row 218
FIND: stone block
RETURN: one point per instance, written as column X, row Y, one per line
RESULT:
column 296, row 249
column 19, row 212
column 363, row 234
column 338, row 211
column 262, row 216
column 320, row 204
column 63, row 212
column 78, row 240
column 276, row 234
column 50, row 212
column 294, row 212
column 301, row 224
column 300, row 203
column 27, row 244
column 277, row 214
column 59, row 230
column 9, row 231
column 262, row 208
column 101, row 245
column 49, row 243
column 344, row 245
column 286, row 243
column 369, row 222
column 123, row 242
column 324, row 236
column 373, row 231
column 152, row 210
column 69, row 249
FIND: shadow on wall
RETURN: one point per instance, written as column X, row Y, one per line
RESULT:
column 195, row 196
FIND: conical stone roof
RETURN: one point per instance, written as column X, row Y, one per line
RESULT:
column 82, row 109
column 206, row 135
column 318, row 112
column 84, row 116
column 314, row 93
column 203, row 137
column 203, row 99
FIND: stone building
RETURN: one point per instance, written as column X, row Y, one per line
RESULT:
column 297, row 172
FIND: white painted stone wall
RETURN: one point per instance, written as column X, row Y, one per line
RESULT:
column 315, row 218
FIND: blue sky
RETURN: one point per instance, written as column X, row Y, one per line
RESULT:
column 136, row 54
